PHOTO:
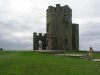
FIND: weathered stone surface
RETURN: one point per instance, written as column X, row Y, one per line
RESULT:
column 50, row 51
column 61, row 33
column 36, row 39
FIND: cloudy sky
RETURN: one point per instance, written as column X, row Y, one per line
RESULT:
column 20, row 18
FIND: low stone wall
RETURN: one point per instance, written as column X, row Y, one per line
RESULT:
column 51, row 51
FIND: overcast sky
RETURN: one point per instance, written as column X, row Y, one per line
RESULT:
column 20, row 18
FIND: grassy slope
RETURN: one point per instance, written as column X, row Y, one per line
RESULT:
column 33, row 63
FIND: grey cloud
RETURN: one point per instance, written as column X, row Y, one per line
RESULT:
column 12, row 23
column 90, row 35
column 7, row 41
column 90, row 27
column 86, row 9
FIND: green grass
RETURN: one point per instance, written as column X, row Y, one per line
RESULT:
column 34, row 63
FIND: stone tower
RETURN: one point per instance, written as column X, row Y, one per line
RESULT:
column 75, row 38
column 61, row 33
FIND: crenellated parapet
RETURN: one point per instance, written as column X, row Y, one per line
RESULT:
column 58, row 9
column 35, row 34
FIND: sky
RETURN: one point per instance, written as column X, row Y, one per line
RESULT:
column 20, row 18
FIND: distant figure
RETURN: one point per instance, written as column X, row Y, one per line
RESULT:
column 1, row 49
column 90, row 52
column 40, row 45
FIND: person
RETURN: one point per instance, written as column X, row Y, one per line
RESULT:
column 40, row 45
column 90, row 53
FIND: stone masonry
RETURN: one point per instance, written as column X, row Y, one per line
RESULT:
column 61, row 33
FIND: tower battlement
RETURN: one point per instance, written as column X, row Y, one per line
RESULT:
column 39, row 34
column 58, row 9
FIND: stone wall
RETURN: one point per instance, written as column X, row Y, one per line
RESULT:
column 61, row 34
column 36, row 38
column 59, row 27
column 75, row 36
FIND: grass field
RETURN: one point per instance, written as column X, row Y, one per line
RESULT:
column 34, row 63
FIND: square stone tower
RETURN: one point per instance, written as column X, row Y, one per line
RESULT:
column 61, row 33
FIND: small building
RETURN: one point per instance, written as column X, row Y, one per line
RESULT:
column 61, row 33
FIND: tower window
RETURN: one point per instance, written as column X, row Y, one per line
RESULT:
column 64, row 19
column 48, row 27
